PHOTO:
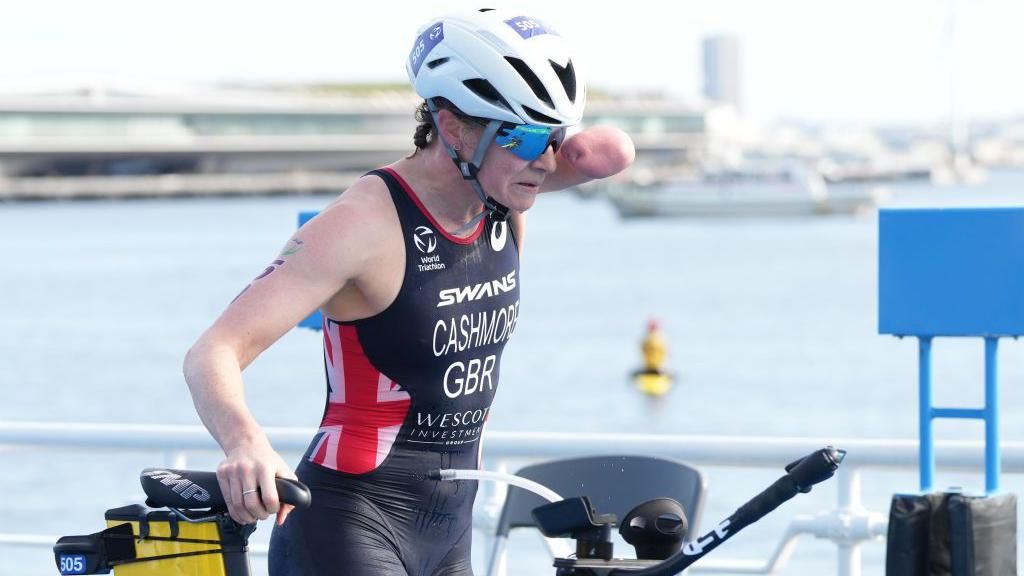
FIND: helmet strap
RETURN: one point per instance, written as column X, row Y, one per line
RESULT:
column 469, row 170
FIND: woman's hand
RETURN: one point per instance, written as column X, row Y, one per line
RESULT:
column 246, row 478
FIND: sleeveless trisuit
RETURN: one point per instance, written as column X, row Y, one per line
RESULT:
column 408, row 391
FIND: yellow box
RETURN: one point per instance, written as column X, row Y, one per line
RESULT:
column 159, row 533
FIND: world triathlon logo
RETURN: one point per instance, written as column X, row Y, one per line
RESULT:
column 425, row 240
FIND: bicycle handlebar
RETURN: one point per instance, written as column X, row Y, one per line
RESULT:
column 800, row 476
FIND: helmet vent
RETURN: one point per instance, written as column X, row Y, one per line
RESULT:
column 568, row 77
column 540, row 118
column 486, row 90
column 437, row 62
column 531, row 79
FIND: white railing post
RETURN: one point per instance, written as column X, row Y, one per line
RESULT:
column 848, row 492
column 849, row 559
column 858, row 525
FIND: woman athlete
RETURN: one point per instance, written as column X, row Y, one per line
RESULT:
column 416, row 270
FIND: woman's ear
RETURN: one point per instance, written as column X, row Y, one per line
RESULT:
column 451, row 127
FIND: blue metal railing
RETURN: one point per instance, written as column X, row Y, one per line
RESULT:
column 989, row 413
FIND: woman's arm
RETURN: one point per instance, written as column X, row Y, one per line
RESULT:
column 597, row 152
column 329, row 251
column 594, row 153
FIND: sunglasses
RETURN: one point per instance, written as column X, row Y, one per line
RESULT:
column 529, row 141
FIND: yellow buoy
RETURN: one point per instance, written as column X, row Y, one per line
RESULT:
column 653, row 384
column 653, row 379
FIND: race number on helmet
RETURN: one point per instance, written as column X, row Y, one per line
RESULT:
column 500, row 65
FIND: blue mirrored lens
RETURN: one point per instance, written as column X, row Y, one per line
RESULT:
column 528, row 141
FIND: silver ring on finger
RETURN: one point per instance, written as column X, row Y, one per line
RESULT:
column 253, row 491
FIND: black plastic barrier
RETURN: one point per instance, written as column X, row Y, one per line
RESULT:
column 952, row 534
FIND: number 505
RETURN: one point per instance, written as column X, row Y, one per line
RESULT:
column 72, row 564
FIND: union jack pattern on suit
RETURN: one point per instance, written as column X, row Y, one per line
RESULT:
column 365, row 408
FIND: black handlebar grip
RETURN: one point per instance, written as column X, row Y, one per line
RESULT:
column 815, row 467
column 293, row 492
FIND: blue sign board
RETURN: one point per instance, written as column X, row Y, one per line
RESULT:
column 951, row 272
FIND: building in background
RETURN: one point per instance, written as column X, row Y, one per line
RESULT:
column 130, row 142
column 722, row 69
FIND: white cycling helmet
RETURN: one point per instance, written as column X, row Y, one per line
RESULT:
column 499, row 65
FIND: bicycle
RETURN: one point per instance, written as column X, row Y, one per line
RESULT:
column 196, row 536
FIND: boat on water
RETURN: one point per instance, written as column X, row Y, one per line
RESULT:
column 763, row 190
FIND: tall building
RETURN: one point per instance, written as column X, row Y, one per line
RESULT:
column 722, row 69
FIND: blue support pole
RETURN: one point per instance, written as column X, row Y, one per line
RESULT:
column 926, row 451
column 992, row 464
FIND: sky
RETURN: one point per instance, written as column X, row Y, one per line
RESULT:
column 868, row 61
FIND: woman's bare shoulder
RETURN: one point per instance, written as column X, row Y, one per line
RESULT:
column 362, row 210
column 355, row 227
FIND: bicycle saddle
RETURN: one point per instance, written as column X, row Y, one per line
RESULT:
column 195, row 490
